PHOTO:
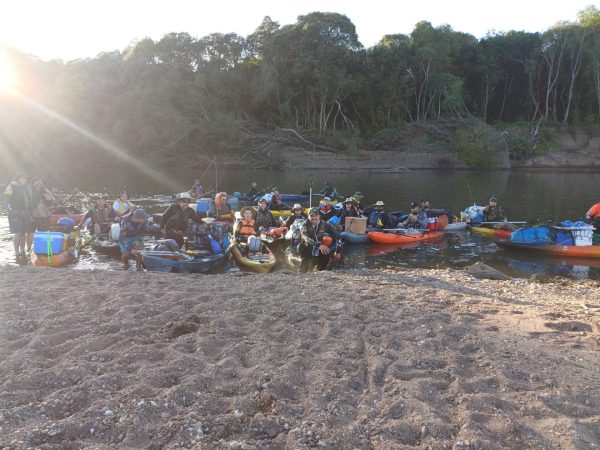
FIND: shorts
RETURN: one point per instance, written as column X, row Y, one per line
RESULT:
column 20, row 222
column 127, row 244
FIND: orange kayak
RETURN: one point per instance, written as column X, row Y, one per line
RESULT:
column 583, row 251
column 382, row 237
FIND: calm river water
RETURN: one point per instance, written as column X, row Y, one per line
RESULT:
column 536, row 197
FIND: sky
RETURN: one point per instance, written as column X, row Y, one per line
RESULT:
column 71, row 29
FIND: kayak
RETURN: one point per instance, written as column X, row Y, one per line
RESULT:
column 579, row 251
column 456, row 226
column 103, row 244
column 354, row 238
column 502, row 234
column 382, row 237
column 260, row 262
column 285, row 198
column 283, row 213
column 175, row 262
column 62, row 259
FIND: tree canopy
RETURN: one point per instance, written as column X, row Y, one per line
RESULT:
column 181, row 95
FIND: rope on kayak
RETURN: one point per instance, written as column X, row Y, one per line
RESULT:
column 48, row 248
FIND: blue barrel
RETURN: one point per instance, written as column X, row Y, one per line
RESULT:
column 203, row 206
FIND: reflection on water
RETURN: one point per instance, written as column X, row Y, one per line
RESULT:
column 531, row 196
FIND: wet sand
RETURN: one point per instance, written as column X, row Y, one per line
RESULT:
column 339, row 360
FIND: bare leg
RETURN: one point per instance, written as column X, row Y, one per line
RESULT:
column 29, row 242
column 125, row 258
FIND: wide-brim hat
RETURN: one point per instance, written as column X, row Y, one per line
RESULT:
column 297, row 206
column 379, row 203
column 349, row 200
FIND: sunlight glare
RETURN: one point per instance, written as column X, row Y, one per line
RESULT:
column 7, row 75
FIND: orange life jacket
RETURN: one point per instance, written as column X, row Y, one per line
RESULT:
column 247, row 228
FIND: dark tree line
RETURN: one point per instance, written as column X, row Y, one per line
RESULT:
column 164, row 100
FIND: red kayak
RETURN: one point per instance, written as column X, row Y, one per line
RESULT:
column 579, row 251
column 383, row 237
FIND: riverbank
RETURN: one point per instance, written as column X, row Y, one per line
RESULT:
column 352, row 359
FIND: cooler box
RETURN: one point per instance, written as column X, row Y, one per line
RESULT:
column 58, row 242
column 583, row 235
column 357, row 225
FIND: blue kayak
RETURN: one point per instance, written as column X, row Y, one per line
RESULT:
column 353, row 238
column 157, row 261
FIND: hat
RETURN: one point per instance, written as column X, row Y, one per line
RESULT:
column 379, row 203
column 297, row 206
column 262, row 199
column 313, row 210
column 349, row 200
column 358, row 194
column 183, row 195
column 493, row 198
column 326, row 199
column 140, row 214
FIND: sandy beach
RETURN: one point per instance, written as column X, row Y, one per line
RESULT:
column 338, row 360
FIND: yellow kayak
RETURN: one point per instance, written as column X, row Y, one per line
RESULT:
column 261, row 262
column 283, row 213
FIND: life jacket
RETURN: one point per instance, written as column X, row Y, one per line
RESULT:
column 246, row 228
column 104, row 215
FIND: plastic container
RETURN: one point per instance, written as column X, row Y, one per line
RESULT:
column 253, row 244
column 115, row 232
column 582, row 235
column 203, row 206
column 52, row 242
column 234, row 203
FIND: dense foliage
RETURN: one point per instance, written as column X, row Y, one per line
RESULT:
column 313, row 79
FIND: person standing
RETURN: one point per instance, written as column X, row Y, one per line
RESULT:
column 42, row 200
column 20, row 219
column 122, row 206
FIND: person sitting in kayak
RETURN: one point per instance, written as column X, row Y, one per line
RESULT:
column 317, row 239
column 221, row 209
column 264, row 218
column 174, row 222
column 349, row 210
column 358, row 197
column 329, row 191
column 102, row 217
column 493, row 212
column 122, row 206
column 244, row 228
column 416, row 219
column 253, row 192
column 197, row 190
column 379, row 218
column 326, row 209
column 276, row 204
column 594, row 216
column 297, row 214
column 131, row 237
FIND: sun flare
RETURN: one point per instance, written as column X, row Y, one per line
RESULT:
column 7, row 76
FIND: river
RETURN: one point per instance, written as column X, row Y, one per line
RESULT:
column 536, row 197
